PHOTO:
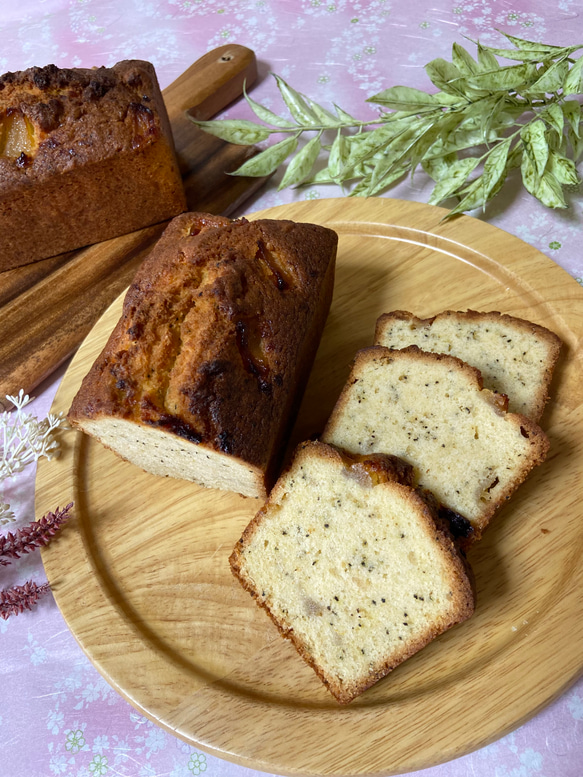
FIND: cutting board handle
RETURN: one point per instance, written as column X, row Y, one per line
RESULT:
column 212, row 82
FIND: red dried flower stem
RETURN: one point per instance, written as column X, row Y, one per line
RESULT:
column 15, row 600
column 35, row 535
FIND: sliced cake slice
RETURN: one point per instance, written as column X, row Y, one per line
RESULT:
column 515, row 357
column 432, row 411
column 353, row 566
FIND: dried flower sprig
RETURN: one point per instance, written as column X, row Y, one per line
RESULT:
column 486, row 120
column 6, row 514
column 18, row 598
column 35, row 535
column 23, row 440
column 15, row 600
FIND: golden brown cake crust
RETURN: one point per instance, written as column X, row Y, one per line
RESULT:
column 218, row 334
column 98, row 158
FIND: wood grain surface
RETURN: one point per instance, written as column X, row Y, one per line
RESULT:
column 48, row 307
column 141, row 572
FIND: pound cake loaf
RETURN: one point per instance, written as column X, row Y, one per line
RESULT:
column 353, row 566
column 432, row 411
column 85, row 155
column 515, row 357
column 203, row 373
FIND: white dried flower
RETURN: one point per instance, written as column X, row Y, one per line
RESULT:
column 6, row 514
column 24, row 439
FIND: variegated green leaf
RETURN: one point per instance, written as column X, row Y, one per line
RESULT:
column 389, row 178
column 487, row 62
column 572, row 83
column 557, row 143
column 507, row 117
column 550, row 192
column 344, row 117
column 521, row 55
column 398, row 149
column 266, row 115
column 324, row 116
column 468, row 134
column 366, row 187
column 529, row 45
column 463, row 60
column 269, row 160
column 441, row 128
column 301, row 165
column 460, row 140
column 238, row 131
column 572, row 112
column 545, row 188
column 402, row 117
column 472, row 114
column 535, row 145
column 551, row 80
column 438, row 167
column 497, row 186
column 503, row 78
column 321, row 177
column 495, row 165
column 409, row 99
column 297, row 105
column 457, row 174
column 476, row 195
column 515, row 156
column 563, row 169
column 363, row 170
column 490, row 115
column 445, row 76
column 362, row 188
column 339, row 155
column 554, row 117
column 473, row 198
column 365, row 145
column 576, row 144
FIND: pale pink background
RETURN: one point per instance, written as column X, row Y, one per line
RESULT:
column 57, row 715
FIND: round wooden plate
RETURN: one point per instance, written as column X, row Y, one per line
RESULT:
column 142, row 578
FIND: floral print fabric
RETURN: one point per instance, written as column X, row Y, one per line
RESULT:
column 57, row 715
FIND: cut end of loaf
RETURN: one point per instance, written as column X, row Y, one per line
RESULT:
column 353, row 571
column 169, row 455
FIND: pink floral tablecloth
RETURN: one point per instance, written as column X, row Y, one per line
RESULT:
column 57, row 715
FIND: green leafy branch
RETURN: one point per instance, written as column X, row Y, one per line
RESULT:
column 486, row 120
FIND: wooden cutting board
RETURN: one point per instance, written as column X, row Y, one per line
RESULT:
column 47, row 308
column 141, row 572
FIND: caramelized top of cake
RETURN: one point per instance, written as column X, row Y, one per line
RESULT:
column 62, row 118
